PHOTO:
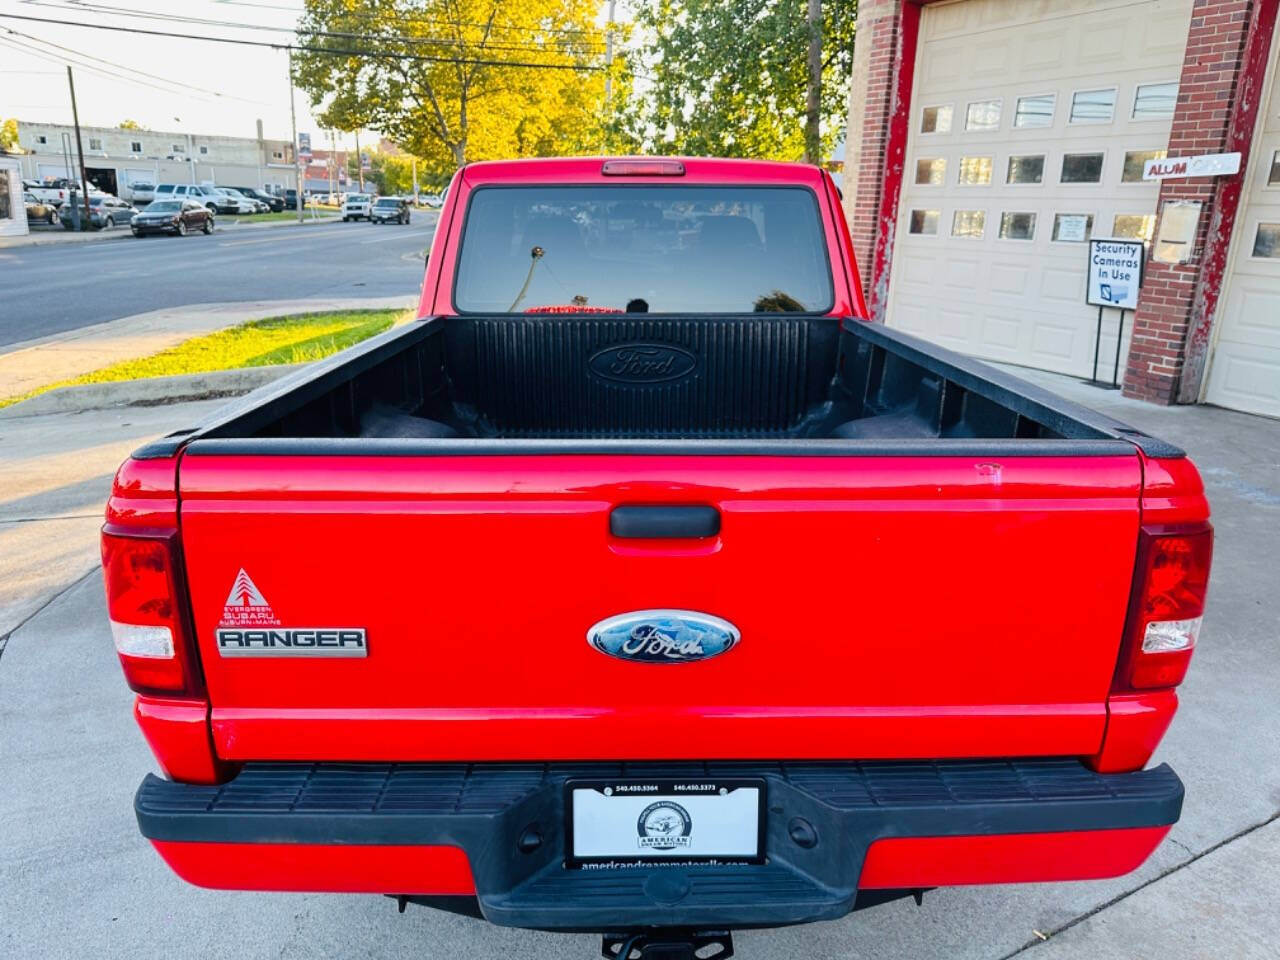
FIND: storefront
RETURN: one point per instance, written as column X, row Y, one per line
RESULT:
column 989, row 140
column 13, row 214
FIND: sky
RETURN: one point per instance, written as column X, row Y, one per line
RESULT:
column 211, row 88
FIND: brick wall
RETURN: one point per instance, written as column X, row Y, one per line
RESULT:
column 1173, row 295
column 875, row 52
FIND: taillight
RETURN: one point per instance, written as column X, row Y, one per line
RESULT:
column 148, row 621
column 1167, row 606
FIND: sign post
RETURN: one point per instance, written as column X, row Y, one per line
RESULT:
column 1115, row 277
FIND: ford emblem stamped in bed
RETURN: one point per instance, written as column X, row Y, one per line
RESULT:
column 663, row 636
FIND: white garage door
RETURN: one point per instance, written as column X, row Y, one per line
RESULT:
column 1245, row 368
column 1029, row 126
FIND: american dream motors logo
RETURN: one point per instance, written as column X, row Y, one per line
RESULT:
column 664, row 825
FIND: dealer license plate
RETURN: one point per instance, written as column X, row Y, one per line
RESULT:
column 629, row 822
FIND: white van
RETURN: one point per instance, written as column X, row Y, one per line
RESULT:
column 205, row 196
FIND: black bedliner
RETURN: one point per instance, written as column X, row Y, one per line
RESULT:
column 786, row 384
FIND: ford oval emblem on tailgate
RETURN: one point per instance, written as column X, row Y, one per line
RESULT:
column 663, row 636
column 642, row 363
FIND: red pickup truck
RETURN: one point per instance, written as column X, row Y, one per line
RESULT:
column 641, row 586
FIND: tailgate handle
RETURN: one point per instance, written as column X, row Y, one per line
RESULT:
column 664, row 522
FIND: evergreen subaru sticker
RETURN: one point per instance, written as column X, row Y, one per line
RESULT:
column 250, row 628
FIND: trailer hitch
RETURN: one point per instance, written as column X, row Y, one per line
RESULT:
column 674, row 944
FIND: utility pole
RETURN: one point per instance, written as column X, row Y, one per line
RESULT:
column 297, row 159
column 608, row 76
column 415, row 179
column 359, row 163
column 813, row 99
column 608, row 54
column 84, row 179
column 333, row 162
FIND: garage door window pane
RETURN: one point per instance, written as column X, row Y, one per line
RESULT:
column 924, row 222
column 1273, row 179
column 1266, row 243
column 1082, row 168
column 1034, row 111
column 931, row 170
column 1017, row 226
column 1133, row 226
column 969, row 223
column 975, row 171
column 1093, row 106
column 1155, row 101
column 1134, row 161
column 1072, row 227
column 983, row 115
column 936, row 119
column 1028, row 169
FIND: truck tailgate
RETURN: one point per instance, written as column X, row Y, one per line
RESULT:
column 888, row 606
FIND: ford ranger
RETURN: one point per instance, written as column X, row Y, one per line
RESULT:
column 641, row 586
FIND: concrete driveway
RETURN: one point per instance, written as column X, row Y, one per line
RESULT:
column 79, row 882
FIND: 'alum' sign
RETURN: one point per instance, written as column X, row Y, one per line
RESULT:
column 1209, row 165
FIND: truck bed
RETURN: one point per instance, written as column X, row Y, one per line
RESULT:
column 793, row 384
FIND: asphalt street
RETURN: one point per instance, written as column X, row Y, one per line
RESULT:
column 79, row 882
column 59, row 287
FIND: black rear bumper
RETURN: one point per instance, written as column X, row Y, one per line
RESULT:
column 509, row 819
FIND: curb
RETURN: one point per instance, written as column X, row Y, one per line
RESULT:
column 270, row 224
column 50, row 239
column 153, row 391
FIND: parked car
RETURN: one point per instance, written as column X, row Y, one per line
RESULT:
column 389, row 210
column 105, row 212
column 797, row 610
column 274, row 203
column 433, row 200
column 357, row 206
column 242, row 204
column 173, row 216
column 140, row 191
column 56, row 190
column 39, row 210
column 198, row 192
column 290, row 198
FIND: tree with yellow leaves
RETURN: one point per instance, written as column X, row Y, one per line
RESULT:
column 454, row 81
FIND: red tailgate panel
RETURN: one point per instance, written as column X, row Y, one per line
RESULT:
column 889, row 607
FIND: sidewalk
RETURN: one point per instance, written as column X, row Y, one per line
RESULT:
column 36, row 363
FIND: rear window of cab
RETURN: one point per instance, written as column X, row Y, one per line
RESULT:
column 643, row 249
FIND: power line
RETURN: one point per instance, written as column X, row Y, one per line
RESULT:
column 128, row 12
column 512, row 27
column 306, row 48
column 121, row 66
column 49, row 57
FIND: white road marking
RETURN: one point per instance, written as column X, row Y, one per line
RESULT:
column 396, row 236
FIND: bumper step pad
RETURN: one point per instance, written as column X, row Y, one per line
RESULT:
column 490, row 810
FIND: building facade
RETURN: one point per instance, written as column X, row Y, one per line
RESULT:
column 989, row 140
column 115, row 158
column 13, row 215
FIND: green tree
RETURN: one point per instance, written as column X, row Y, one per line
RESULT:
column 476, row 98
column 732, row 79
column 9, row 134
